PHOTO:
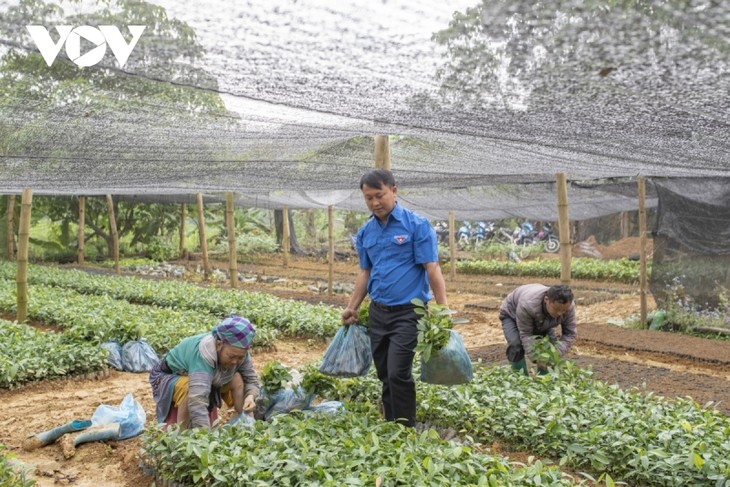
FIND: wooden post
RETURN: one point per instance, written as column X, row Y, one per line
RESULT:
column 113, row 230
column 331, row 253
column 82, row 230
column 11, row 227
column 21, row 277
column 183, row 217
column 452, row 243
column 563, row 228
column 382, row 152
column 231, row 229
column 285, row 244
column 201, row 235
column 642, row 251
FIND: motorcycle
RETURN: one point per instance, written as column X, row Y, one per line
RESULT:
column 463, row 236
column 551, row 243
column 442, row 232
column 483, row 231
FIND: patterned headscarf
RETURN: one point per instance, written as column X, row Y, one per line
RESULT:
column 235, row 331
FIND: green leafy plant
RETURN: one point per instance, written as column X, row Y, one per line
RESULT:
column 9, row 475
column 434, row 327
column 315, row 382
column 544, row 352
column 275, row 376
column 363, row 314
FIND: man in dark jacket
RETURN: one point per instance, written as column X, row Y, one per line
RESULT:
column 536, row 310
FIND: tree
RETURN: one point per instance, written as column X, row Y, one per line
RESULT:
column 41, row 104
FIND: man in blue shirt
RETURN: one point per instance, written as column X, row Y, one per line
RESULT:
column 398, row 262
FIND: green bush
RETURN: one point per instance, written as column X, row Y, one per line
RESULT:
column 161, row 248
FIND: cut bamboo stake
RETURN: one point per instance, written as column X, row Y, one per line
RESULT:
column 452, row 243
column 563, row 228
column 11, row 227
column 642, row 248
column 82, row 229
column 231, row 229
column 21, row 277
column 285, row 235
column 113, row 230
column 331, row 253
column 201, row 235
column 382, row 152
column 183, row 217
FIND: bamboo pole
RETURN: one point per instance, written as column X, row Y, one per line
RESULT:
column 642, row 251
column 382, row 152
column 563, row 228
column 113, row 230
column 285, row 244
column 201, row 235
column 183, row 217
column 11, row 227
column 21, row 277
column 82, row 230
column 231, row 229
column 331, row 253
column 452, row 243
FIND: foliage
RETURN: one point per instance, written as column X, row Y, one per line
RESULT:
column 622, row 270
column 433, row 327
column 585, row 424
column 292, row 318
column 10, row 476
column 324, row 449
column 160, row 248
column 274, row 376
column 363, row 314
column 682, row 314
column 315, row 382
column 28, row 355
column 544, row 352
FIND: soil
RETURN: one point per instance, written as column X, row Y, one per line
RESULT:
column 669, row 365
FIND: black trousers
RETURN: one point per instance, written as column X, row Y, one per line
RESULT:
column 393, row 337
column 515, row 350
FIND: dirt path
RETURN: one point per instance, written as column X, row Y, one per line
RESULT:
column 669, row 365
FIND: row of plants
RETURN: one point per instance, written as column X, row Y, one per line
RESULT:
column 635, row 437
column 623, row 270
column 28, row 355
column 95, row 319
column 10, row 475
column 350, row 447
column 566, row 415
column 292, row 318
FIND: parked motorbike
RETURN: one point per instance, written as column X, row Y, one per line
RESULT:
column 551, row 243
column 442, row 232
column 463, row 236
column 482, row 232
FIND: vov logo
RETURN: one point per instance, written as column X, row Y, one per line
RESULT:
column 71, row 36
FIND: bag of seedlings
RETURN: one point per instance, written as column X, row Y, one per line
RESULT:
column 287, row 400
column 349, row 353
column 449, row 365
column 138, row 356
column 114, row 357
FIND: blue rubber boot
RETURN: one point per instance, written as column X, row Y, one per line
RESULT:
column 48, row 437
column 99, row 433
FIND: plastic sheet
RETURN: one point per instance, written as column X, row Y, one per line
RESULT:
column 287, row 400
column 130, row 415
column 349, row 353
column 114, row 359
column 138, row 356
column 449, row 366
